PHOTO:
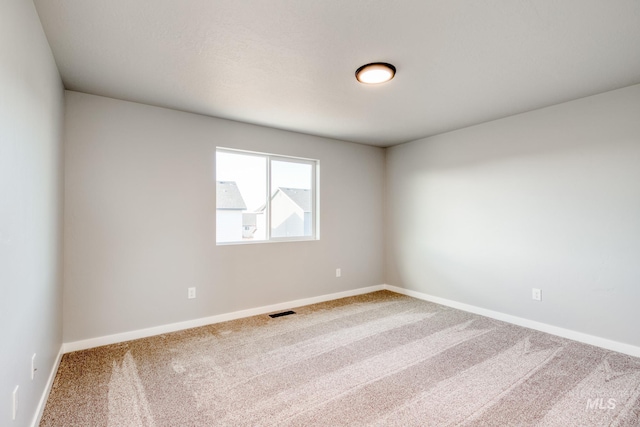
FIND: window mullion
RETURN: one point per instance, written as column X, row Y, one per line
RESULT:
column 314, row 199
column 268, row 202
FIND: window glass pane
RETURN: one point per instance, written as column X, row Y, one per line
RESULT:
column 291, row 199
column 241, row 190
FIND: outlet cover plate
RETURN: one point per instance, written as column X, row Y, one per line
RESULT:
column 14, row 412
column 33, row 366
column 536, row 294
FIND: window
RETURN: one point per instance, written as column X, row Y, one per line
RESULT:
column 263, row 197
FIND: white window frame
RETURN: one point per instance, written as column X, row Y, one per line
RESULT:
column 315, row 193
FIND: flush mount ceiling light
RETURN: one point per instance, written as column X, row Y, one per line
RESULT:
column 376, row 72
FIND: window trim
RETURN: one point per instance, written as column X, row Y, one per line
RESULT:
column 315, row 197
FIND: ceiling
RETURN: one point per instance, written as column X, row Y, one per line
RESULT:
column 290, row 64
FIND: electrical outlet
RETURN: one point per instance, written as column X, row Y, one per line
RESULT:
column 33, row 366
column 191, row 293
column 536, row 294
column 338, row 272
column 14, row 412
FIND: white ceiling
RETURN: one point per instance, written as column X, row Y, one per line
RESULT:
column 290, row 64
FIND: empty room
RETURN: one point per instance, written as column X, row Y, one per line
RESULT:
column 319, row 213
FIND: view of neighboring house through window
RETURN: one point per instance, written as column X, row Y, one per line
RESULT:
column 262, row 197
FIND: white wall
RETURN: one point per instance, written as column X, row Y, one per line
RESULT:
column 547, row 199
column 140, row 216
column 229, row 225
column 31, row 107
column 287, row 218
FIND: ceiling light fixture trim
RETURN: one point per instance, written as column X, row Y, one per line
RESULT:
column 375, row 73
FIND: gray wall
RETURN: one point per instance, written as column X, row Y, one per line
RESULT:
column 31, row 108
column 140, row 219
column 547, row 199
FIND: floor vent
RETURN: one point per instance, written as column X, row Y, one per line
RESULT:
column 284, row 313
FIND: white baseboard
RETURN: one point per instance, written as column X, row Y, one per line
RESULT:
column 47, row 389
column 173, row 327
column 532, row 324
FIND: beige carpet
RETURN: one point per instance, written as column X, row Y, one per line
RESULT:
column 380, row 359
